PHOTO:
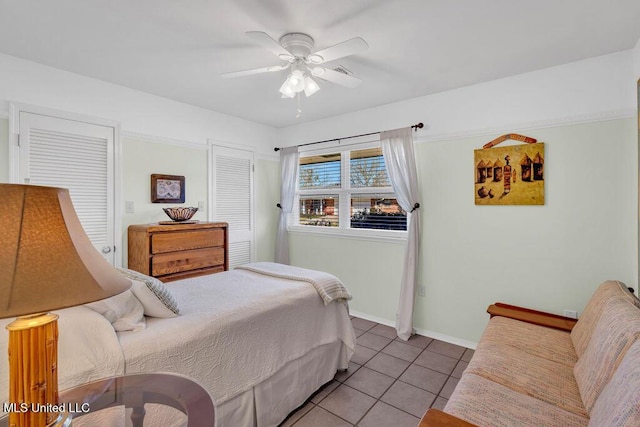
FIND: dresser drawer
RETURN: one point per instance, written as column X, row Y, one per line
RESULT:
column 168, row 263
column 186, row 240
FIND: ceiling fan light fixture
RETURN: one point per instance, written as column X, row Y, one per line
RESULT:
column 296, row 81
column 310, row 86
column 286, row 90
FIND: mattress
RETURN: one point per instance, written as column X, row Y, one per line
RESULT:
column 237, row 329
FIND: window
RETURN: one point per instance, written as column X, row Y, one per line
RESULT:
column 347, row 190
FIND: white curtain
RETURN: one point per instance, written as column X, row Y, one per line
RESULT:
column 397, row 148
column 289, row 157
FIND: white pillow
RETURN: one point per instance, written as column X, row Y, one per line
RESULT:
column 156, row 299
column 124, row 311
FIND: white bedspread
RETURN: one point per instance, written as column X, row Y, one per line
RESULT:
column 235, row 330
column 88, row 349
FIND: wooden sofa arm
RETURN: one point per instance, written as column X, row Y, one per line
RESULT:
column 437, row 418
column 532, row 316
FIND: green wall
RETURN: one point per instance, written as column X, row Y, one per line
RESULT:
column 547, row 257
column 140, row 159
column 267, row 194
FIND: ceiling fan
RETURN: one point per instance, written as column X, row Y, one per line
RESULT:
column 296, row 50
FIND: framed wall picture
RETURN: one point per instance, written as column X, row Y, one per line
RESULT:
column 167, row 188
column 510, row 175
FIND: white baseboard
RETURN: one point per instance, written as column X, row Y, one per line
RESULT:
column 424, row 332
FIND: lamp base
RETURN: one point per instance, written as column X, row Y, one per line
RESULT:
column 33, row 371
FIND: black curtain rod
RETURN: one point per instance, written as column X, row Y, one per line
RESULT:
column 416, row 127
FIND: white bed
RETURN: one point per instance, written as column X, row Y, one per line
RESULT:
column 259, row 345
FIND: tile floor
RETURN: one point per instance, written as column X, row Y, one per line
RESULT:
column 389, row 382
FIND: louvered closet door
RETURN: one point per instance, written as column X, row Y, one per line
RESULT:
column 233, row 200
column 78, row 156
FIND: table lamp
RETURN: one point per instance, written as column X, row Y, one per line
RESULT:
column 46, row 263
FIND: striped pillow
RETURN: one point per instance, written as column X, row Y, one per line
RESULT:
column 156, row 299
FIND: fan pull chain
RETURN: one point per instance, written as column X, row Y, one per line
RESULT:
column 298, row 110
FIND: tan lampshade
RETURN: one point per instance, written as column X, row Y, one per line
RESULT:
column 46, row 260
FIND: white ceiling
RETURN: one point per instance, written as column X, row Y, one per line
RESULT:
column 178, row 48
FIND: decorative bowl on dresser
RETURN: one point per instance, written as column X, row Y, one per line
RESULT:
column 177, row 251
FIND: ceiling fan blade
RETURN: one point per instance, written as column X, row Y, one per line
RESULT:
column 340, row 50
column 254, row 71
column 336, row 77
column 270, row 44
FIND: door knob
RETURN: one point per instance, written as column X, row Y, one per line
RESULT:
column 106, row 249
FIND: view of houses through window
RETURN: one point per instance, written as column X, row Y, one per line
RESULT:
column 348, row 189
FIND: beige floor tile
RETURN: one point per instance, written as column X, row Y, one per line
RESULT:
column 324, row 391
column 446, row 349
column 383, row 415
column 449, row 387
column 387, row 365
column 318, row 417
column 439, row 403
column 362, row 323
column 343, row 375
column 402, row 351
column 296, row 415
column 417, row 341
column 385, row 331
column 348, row 403
column 460, row 367
column 373, row 341
column 426, row 379
column 410, row 399
column 437, row 362
column 359, row 331
column 362, row 355
column 370, row 382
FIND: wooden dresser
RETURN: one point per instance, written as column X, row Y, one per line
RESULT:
column 177, row 251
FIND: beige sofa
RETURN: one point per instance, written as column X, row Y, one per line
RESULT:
column 537, row 369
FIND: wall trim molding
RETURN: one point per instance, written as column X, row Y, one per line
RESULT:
column 556, row 122
column 423, row 332
column 163, row 140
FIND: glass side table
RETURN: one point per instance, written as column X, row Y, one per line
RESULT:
column 133, row 391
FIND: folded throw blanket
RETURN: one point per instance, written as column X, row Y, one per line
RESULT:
column 329, row 287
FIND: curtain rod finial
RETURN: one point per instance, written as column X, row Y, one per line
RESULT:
column 276, row 149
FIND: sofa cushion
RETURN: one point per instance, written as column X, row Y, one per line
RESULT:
column 617, row 329
column 487, row 403
column 619, row 402
column 522, row 372
column 581, row 333
column 548, row 343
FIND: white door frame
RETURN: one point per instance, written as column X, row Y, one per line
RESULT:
column 15, row 108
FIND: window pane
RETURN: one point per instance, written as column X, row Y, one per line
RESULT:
column 377, row 211
column 319, row 172
column 319, row 210
column 368, row 169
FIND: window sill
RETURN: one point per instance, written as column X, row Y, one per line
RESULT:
column 399, row 237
